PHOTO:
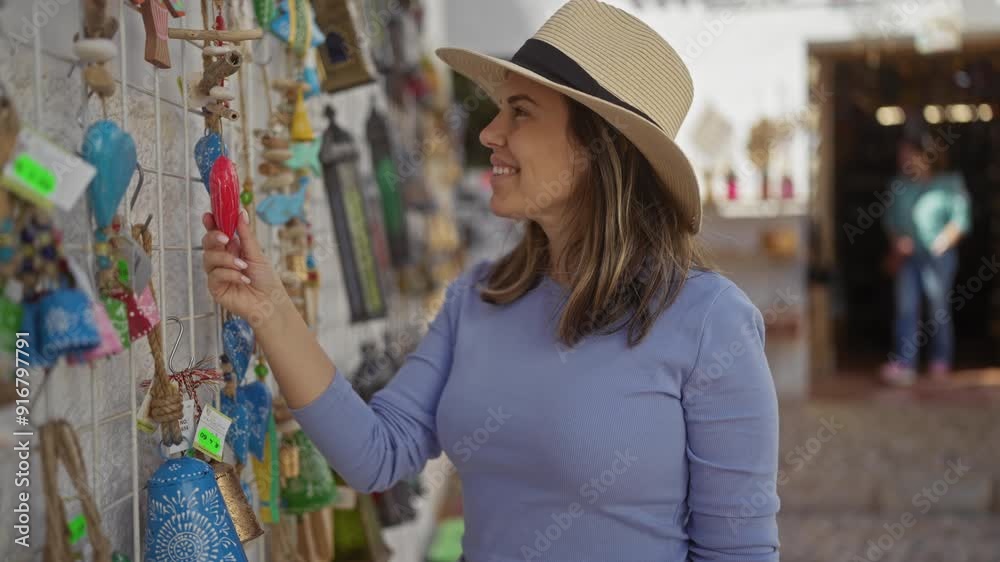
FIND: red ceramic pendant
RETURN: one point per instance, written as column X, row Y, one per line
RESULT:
column 225, row 190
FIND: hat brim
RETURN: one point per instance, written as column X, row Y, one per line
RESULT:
column 666, row 158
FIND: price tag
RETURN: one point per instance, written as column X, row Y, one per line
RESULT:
column 211, row 433
column 77, row 528
column 347, row 498
column 142, row 419
column 187, row 429
column 45, row 174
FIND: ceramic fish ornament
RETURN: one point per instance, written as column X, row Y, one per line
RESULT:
column 238, row 343
column 112, row 152
column 224, row 187
column 278, row 209
column 207, row 150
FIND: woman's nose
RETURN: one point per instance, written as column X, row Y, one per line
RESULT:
column 493, row 135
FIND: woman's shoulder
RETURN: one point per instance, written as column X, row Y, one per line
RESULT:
column 708, row 295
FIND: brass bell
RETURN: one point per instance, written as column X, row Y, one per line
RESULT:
column 242, row 513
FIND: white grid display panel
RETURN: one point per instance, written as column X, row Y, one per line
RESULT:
column 100, row 400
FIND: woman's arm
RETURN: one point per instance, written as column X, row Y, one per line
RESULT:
column 371, row 446
column 961, row 219
column 731, row 416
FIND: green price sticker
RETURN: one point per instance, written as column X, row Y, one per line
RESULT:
column 209, row 442
column 34, row 175
column 77, row 528
column 123, row 275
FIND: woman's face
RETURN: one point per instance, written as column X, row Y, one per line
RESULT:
column 912, row 161
column 534, row 168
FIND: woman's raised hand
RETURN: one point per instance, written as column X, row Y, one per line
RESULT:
column 240, row 277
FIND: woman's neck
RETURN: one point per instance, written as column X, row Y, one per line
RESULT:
column 558, row 270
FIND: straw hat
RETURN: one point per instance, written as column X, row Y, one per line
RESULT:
column 617, row 66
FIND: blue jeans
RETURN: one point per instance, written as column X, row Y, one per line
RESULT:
column 924, row 275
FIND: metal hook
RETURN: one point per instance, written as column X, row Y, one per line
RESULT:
column 84, row 107
column 177, row 342
column 138, row 187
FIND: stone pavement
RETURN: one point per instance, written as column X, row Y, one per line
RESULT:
column 918, row 478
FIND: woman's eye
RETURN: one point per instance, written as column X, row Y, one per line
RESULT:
column 518, row 112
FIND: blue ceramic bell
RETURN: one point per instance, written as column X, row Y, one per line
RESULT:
column 66, row 323
column 257, row 398
column 207, row 150
column 187, row 518
column 112, row 151
column 238, row 344
column 238, row 436
column 29, row 326
column 278, row 208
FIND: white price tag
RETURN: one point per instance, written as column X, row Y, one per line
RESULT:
column 187, row 429
column 45, row 174
column 142, row 419
column 211, row 433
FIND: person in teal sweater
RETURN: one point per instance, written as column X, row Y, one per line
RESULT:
column 928, row 217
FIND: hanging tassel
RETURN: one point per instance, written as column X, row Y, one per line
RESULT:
column 60, row 445
column 167, row 405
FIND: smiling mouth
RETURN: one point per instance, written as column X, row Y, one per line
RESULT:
column 505, row 171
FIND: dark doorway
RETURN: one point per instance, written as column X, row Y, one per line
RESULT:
column 864, row 163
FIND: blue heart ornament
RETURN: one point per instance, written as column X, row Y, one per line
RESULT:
column 237, row 344
column 111, row 151
column 207, row 150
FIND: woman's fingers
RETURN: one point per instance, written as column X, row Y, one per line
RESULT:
column 248, row 240
column 214, row 259
column 208, row 220
column 214, row 240
column 222, row 276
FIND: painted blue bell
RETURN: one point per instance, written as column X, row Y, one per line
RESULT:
column 111, row 151
column 207, row 150
column 238, row 343
column 66, row 323
column 187, row 517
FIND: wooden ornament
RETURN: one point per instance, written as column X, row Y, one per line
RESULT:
column 95, row 50
column 274, row 141
column 155, row 17
column 221, row 94
column 277, row 155
column 217, row 50
column 99, row 80
column 278, row 181
column 271, row 169
column 222, row 111
column 96, row 22
column 218, row 70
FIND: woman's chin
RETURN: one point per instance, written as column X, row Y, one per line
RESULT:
column 498, row 207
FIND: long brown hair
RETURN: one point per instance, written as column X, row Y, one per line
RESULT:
column 629, row 249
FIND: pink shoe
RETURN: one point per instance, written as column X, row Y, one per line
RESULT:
column 939, row 371
column 895, row 373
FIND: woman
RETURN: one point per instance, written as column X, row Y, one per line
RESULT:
column 925, row 222
column 602, row 396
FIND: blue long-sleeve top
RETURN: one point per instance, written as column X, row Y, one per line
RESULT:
column 663, row 452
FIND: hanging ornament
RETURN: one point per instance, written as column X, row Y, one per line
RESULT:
column 344, row 67
column 732, row 186
column 361, row 277
column 257, row 397
column 301, row 130
column 277, row 209
column 112, row 152
column 187, row 518
column 266, row 473
column 388, row 179
column 61, row 446
column 313, row 489
column 98, row 29
column 229, row 404
column 224, row 187
column 238, row 344
column 237, row 504
column 207, row 150
column 155, row 18
column 305, row 157
column 264, row 10
column 295, row 25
